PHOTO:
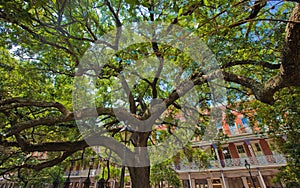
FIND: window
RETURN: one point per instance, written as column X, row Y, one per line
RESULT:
column 257, row 147
column 201, row 183
column 240, row 149
column 245, row 121
column 226, row 153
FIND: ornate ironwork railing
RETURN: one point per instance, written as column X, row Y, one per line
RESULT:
column 82, row 173
column 231, row 163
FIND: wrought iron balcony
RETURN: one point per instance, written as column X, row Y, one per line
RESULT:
column 258, row 161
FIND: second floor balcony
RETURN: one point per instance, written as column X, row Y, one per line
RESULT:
column 258, row 161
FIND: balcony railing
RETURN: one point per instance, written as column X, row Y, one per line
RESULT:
column 82, row 173
column 232, row 163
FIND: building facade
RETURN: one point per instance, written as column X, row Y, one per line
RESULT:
column 240, row 158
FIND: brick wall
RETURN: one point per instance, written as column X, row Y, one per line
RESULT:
column 265, row 147
column 233, row 151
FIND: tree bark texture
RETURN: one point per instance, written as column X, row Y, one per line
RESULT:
column 140, row 177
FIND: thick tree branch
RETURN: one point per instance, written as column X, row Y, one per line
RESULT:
column 56, row 146
column 159, row 69
column 129, row 95
column 22, row 102
column 247, row 82
column 251, row 62
column 71, row 147
column 48, row 120
column 289, row 74
column 49, row 163
column 290, row 69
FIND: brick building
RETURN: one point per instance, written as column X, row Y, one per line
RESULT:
column 237, row 145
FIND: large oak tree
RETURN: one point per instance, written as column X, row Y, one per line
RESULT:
column 257, row 46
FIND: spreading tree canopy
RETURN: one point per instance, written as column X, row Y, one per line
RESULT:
column 255, row 43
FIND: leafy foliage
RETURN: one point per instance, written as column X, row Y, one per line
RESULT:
column 42, row 44
column 164, row 173
column 283, row 120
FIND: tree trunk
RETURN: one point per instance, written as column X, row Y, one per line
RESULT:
column 140, row 174
column 140, row 177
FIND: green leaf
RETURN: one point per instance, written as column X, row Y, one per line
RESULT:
column 180, row 12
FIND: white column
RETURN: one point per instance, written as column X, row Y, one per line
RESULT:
column 190, row 180
column 80, row 181
column 217, row 154
column 261, row 179
column 244, row 179
column 223, row 180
